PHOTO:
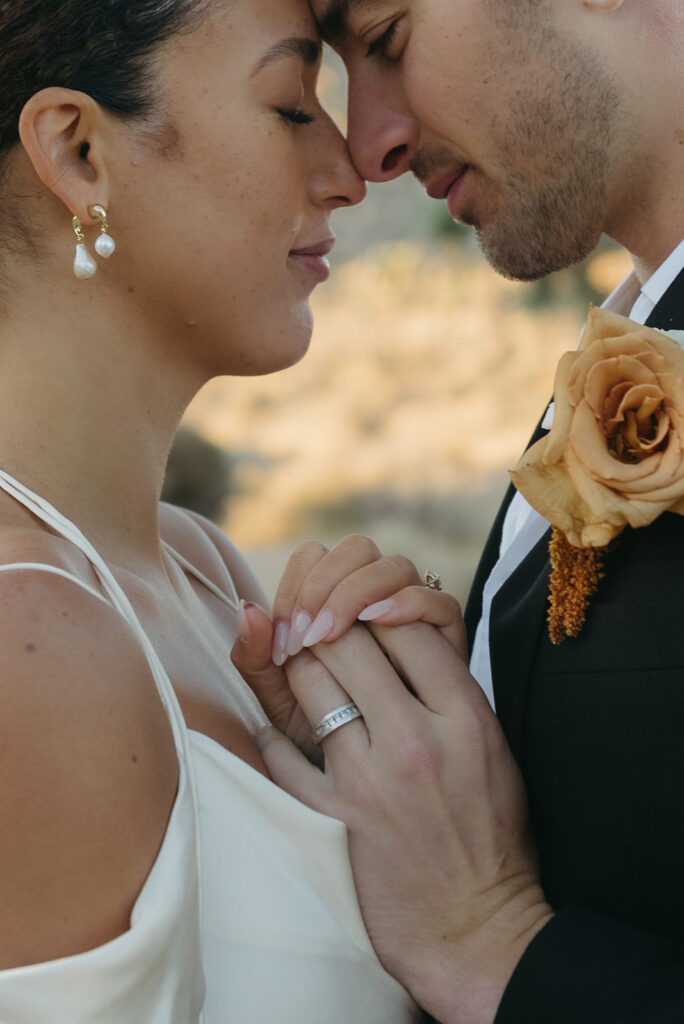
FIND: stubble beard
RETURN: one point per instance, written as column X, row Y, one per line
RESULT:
column 549, row 208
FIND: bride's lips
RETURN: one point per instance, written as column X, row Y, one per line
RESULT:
column 449, row 186
column 312, row 258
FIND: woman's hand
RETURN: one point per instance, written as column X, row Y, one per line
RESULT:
column 252, row 656
column 435, row 809
column 321, row 595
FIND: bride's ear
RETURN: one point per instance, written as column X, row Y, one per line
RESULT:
column 63, row 133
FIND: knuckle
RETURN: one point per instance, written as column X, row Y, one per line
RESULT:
column 345, row 589
column 403, row 566
column 454, row 605
column 414, row 631
column 418, row 754
column 362, row 545
column 308, row 552
column 304, row 674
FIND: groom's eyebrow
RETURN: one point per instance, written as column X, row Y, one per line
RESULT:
column 307, row 50
column 333, row 23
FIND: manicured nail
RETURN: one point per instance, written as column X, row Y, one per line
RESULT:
column 244, row 628
column 376, row 611
column 280, row 636
column 322, row 625
column 301, row 624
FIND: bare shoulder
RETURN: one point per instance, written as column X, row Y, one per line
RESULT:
column 88, row 769
column 208, row 548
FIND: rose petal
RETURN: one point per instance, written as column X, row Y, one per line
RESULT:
column 608, row 505
column 603, row 323
column 638, row 408
column 587, row 437
column 558, row 437
column 613, row 401
column 668, row 483
column 603, row 376
column 549, row 489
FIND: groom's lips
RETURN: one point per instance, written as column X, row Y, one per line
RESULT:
column 447, row 186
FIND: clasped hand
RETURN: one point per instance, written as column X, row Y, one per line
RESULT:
column 425, row 782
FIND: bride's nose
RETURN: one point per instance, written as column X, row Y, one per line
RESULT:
column 335, row 181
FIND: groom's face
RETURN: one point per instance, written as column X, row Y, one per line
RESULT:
column 496, row 105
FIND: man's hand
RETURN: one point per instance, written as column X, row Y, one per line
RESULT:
column 435, row 808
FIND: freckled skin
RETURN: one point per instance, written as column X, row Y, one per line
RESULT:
column 208, row 255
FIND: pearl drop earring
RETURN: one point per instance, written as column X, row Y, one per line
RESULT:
column 85, row 266
column 105, row 246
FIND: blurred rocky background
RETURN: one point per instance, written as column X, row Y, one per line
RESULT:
column 426, row 375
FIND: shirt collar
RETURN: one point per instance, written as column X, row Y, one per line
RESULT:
column 637, row 301
column 660, row 281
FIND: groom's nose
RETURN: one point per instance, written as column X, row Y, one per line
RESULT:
column 383, row 137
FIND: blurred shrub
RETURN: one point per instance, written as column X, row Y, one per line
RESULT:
column 198, row 475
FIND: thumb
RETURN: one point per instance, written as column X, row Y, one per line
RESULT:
column 290, row 770
column 252, row 657
column 252, row 649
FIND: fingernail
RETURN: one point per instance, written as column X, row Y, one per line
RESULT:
column 301, row 624
column 322, row 625
column 262, row 737
column 244, row 628
column 280, row 635
column 376, row 611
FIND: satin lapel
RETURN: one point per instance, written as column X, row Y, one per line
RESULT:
column 668, row 314
column 518, row 618
column 490, row 554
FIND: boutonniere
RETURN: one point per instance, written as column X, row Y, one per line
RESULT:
column 614, row 456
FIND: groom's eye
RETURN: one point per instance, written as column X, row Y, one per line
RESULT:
column 381, row 45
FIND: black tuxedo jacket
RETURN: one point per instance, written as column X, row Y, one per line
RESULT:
column 597, row 726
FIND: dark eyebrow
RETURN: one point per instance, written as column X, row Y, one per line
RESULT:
column 307, row 50
column 334, row 22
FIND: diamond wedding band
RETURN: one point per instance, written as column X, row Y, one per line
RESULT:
column 335, row 720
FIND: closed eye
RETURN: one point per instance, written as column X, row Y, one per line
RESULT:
column 296, row 116
column 381, row 45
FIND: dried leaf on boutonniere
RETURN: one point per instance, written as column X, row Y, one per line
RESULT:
column 614, row 456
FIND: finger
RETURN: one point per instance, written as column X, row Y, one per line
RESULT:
column 252, row 649
column 292, row 772
column 318, row 693
column 436, row 673
column 420, row 604
column 336, row 592
column 301, row 563
column 251, row 655
column 310, row 619
column 360, row 667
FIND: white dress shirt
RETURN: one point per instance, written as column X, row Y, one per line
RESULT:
column 523, row 526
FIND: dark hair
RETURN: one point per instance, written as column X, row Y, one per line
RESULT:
column 100, row 47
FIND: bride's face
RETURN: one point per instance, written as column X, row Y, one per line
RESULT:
column 226, row 212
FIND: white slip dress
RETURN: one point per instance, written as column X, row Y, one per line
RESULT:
column 249, row 914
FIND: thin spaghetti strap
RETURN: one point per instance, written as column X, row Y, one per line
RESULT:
column 231, row 600
column 48, row 514
column 53, row 570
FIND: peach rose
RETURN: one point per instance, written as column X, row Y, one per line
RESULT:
column 615, row 453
